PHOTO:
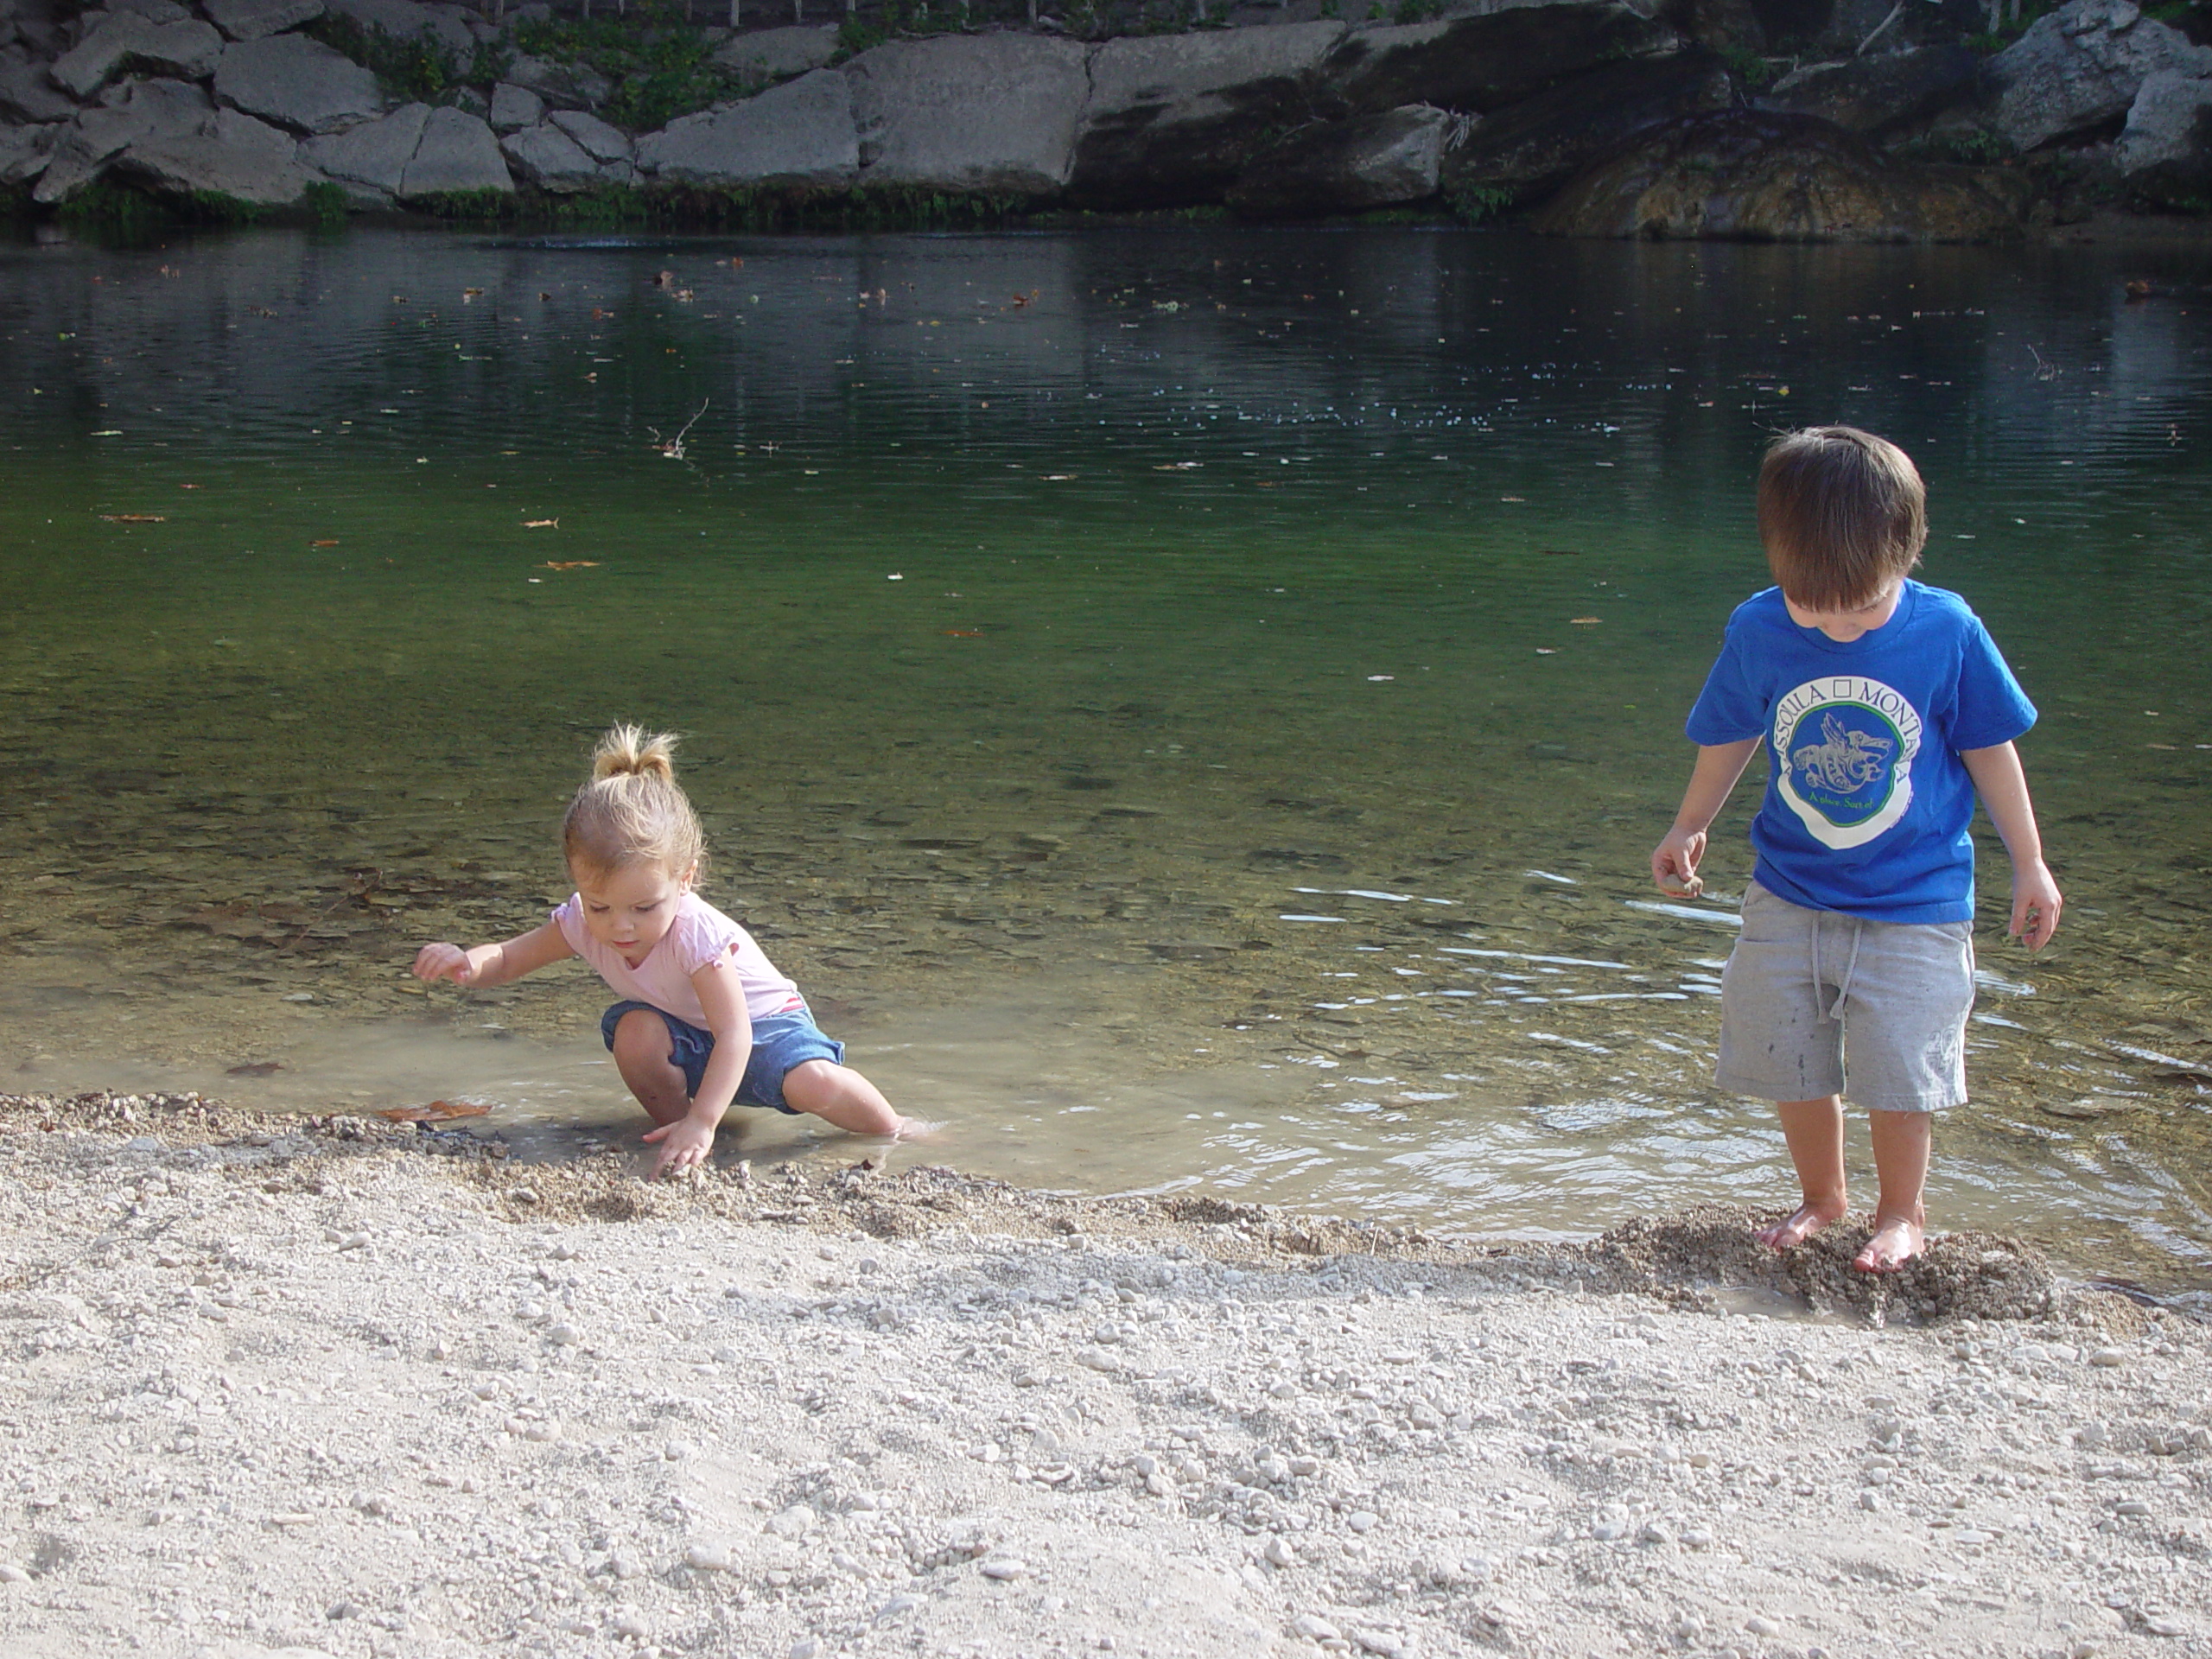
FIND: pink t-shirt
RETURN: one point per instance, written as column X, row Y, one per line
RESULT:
column 699, row 935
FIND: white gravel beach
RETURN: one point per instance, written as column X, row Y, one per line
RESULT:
column 339, row 1388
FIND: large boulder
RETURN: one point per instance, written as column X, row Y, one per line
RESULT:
column 27, row 95
column 149, row 110
column 256, row 19
column 404, row 20
column 297, row 83
column 2164, row 153
column 515, row 107
column 186, row 47
column 1529, row 149
column 2081, row 66
column 1495, row 55
column 1173, row 119
column 991, row 113
column 24, row 151
column 551, row 160
column 767, row 54
column 457, row 155
column 1346, row 167
column 563, row 87
column 243, row 159
column 799, row 134
column 1739, row 176
column 601, row 140
column 371, row 160
column 1868, row 94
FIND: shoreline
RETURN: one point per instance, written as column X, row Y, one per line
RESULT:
column 360, row 1388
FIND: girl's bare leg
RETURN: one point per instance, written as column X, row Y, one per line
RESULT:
column 1813, row 1129
column 1901, row 1143
column 840, row 1097
column 641, row 1054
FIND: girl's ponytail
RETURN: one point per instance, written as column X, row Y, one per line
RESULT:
column 631, row 811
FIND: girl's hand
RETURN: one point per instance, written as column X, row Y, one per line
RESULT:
column 684, row 1144
column 442, row 960
column 1674, row 861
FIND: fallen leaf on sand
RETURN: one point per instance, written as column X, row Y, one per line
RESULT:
column 438, row 1111
column 134, row 518
column 569, row 564
column 253, row 1069
column 541, row 524
column 328, row 541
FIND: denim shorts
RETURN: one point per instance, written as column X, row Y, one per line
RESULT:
column 1809, row 992
column 780, row 1041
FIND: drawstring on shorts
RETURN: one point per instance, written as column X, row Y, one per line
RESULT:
column 1851, row 967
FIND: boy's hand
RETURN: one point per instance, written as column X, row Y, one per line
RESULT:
column 682, row 1144
column 442, row 960
column 1674, row 861
column 2036, row 903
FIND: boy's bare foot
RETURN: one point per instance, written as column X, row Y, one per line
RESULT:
column 1789, row 1235
column 1895, row 1243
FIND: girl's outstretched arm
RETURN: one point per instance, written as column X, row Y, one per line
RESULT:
column 492, row 964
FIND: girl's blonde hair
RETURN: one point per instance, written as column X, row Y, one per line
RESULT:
column 631, row 811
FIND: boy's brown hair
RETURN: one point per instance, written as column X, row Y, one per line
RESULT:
column 1842, row 515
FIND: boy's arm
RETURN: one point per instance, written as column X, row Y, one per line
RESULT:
column 1674, row 861
column 492, row 964
column 722, row 998
column 2004, row 790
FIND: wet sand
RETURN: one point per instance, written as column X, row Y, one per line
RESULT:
column 346, row 1388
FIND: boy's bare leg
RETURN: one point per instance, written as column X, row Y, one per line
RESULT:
column 1902, row 1142
column 641, row 1054
column 840, row 1097
column 1813, row 1129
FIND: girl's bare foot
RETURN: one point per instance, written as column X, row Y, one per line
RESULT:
column 1896, row 1242
column 1808, row 1220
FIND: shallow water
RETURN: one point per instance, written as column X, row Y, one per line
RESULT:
column 1191, row 708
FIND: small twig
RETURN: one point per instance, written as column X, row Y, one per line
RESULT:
column 673, row 447
column 2044, row 370
column 1894, row 11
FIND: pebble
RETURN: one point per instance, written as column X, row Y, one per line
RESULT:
column 806, row 1648
column 1316, row 1629
column 2135, row 1506
column 2165, row 1624
column 1696, row 1538
column 794, row 1522
column 1004, row 1567
column 1758, row 1625
column 1362, row 1520
column 677, row 1450
column 1304, row 1466
column 895, row 1607
column 2108, row 1358
column 10, row 1573
column 706, row 1558
column 1280, row 1554
column 630, row 1623
column 564, row 1335
column 1388, row 1643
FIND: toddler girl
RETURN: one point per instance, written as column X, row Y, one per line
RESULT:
column 704, row 1018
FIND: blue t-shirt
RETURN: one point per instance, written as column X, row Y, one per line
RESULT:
column 1868, row 803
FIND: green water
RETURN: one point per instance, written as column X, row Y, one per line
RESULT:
column 1052, row 621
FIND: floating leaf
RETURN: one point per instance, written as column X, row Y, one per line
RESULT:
column 569, row 564
column 1060, row 478
column 438, row 1111
column 963, row 633
column 134, row 518
column 328, row 541
column 253, row 1069
column 541, row 524
column 1513, row 498
column 1584, row 621
column 1179, row 467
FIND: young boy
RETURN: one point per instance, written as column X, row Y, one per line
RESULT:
column 1886, row 708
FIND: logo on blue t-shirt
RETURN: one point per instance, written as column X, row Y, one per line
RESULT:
column 1844, row 747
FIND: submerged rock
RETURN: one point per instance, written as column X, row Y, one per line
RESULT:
column 298, row 83
column 1173, row 119
column 1530, row 149
column 1370, row 160
column 1773, row 178
column 2081, row 66
column 799, row 133
column 992, row 113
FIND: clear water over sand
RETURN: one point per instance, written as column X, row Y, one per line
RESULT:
column 1191, row 708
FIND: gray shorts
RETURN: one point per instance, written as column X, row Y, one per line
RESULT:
column 1805, row 988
